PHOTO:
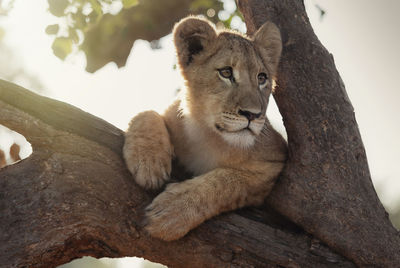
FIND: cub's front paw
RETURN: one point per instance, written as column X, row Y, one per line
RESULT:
column 173, row 213
column 148, row 151
column 151, row 171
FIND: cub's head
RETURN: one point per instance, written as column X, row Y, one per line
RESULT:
column 228, row 77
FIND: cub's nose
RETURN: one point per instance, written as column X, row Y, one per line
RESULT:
column 249, row 115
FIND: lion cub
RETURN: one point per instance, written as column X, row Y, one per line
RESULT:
column 217, row 129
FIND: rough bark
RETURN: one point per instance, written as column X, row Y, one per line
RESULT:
column 74, row 197
column 326, row 187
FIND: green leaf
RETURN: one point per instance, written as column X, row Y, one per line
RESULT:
column 93, row 17
column 96, row 7
column 201, row 4
column 79, row 20
column 57, row 7
column 62, row 46
column 129, row 3
column 73, row 35
column 227, row 23
column 52, row 29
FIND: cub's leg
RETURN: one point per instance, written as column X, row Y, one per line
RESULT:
column 148, row 151
column 183, row 206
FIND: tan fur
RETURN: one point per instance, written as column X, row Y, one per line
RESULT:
column 205, row 129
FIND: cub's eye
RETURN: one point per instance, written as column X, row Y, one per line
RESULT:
column 262, row 78
column 226, row 72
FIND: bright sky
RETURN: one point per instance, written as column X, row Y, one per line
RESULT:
column 111, row 93
column 363, row 36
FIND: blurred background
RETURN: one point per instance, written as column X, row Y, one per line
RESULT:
column 100, row 55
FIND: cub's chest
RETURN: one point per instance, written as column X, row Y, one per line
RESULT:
column 197, row 157
column 195, row 150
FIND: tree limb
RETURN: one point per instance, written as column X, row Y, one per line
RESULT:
column 74, row 197
column 326, row 186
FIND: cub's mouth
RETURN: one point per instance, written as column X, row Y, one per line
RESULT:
column 242, row 136
column 242, row 130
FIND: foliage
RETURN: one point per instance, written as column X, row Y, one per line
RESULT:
column 105, row 30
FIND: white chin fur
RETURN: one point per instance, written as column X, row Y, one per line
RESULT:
column 242, row 139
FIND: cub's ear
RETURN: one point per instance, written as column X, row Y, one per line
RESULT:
column 269, row 43
column 192, row 35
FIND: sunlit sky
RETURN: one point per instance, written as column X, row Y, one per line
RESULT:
column 363, row 36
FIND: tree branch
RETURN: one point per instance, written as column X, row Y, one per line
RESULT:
column 74, row 197
column 326, row 186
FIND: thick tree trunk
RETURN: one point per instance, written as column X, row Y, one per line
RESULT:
column 326, row 187
column 74, row 197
